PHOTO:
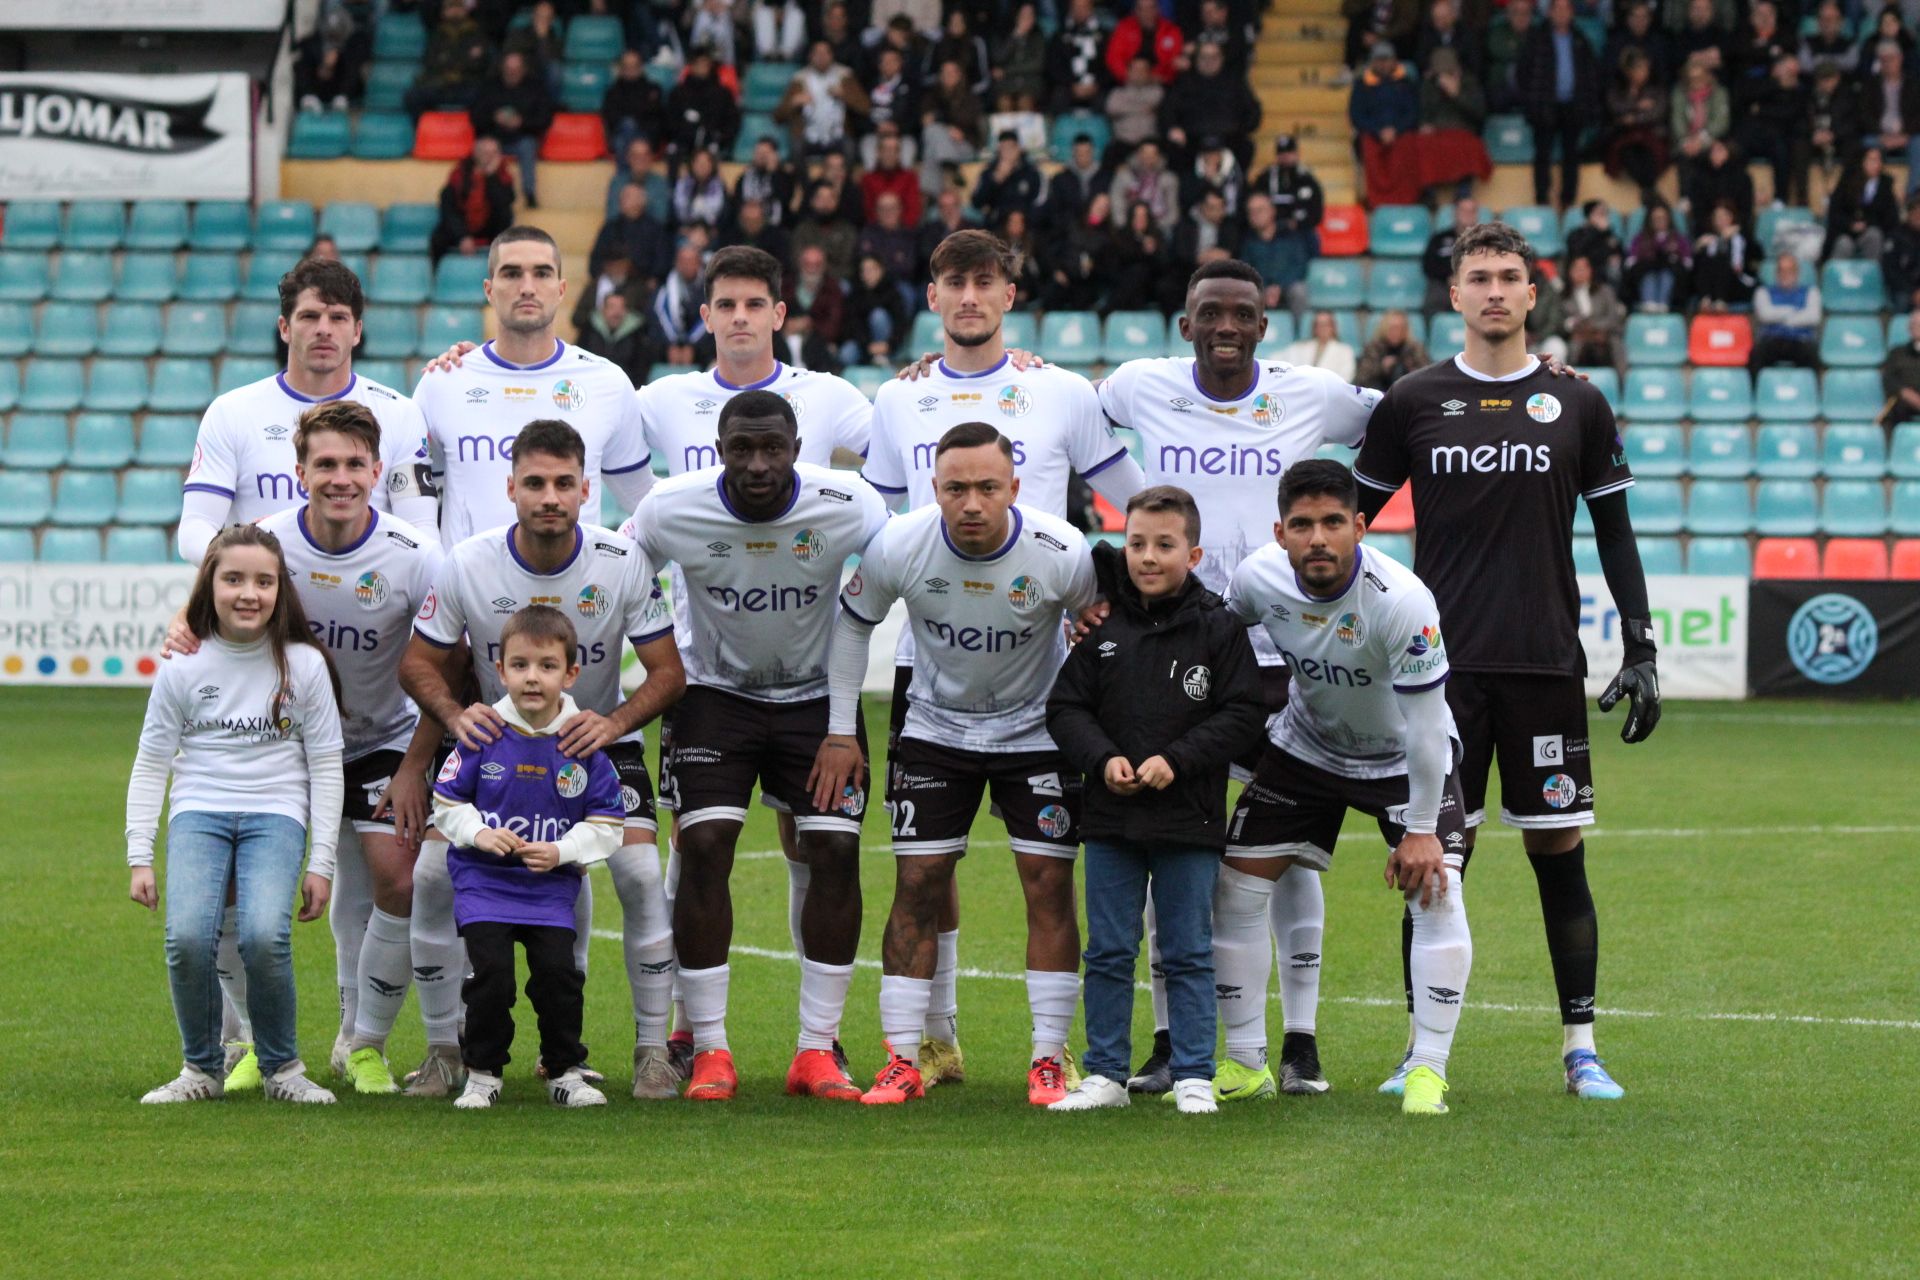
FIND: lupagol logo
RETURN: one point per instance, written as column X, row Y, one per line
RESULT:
column 30, row 110
column 1832, row 638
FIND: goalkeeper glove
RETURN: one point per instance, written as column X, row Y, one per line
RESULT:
column 1637, row 682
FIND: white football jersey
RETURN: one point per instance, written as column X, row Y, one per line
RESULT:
column 988, row 632
column 607, row 588
column 474, row 412
column 360, row 604
column 680, row 415
column 245, row 450
column 759, row 594
column 1349, row 655
column 1230, row 454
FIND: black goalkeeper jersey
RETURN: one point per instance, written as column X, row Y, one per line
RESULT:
column 1497, row 467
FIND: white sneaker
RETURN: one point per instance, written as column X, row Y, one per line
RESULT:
column 290, row 1084
column 342, row 1050
column 1091, row 1093
column 191, row 1085
column 482, row 1092
column 1194, row 1097
column 572, row 1090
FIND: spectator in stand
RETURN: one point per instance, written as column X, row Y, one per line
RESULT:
column 1029, row 275
column 1450, row 95
column 699, row 195
column 615, row 276
column 1863, row 213
column 958, row 43
column 1322, row 348
column 676, row 309
column 779, row 30
column 1218, row 169
column 476, row 204
column 1595, row 240
column 455, row 65
column 1594, row 318
column 1547, row 322
column 1726, row 263
column 330, row 66
column 700, row 111
column 1442, row 30
column 516, row 109
column 1145, row 32
column 1436, row 261
column 1637, row 111
column 1772, row 126
column 616, row 333
column 1901, row 263
column 324, row 248
column 633, row 106
column 1133, row 106
column 816, row 312
column 889, row 175
column 1724, row 176
column 1892, row 109
column 1079, row 260
column 951, row 129
column 1010, row 182
column 1900, row 378
column 893, row 106
column 1384, row 107
column 949, row 215
column 1207, row 102
column 1205, row 235
column 1217, row 27
column 1699, row 117
column 822, row 103
column 1076, row 62
column 770, row 180
column 1659, row 263
column 1392, row 354
column 1754, row 52
column 1144, row 179
column 1639, row 32
column 1141, row 260
column 1889, row 24
column 921, row 15
column 712, row 27
column 540, row 42
column 877, row 316
column 1829, row 41
column 1071, row 190
column 825, row 228
column 888, row 237
column 637, row 165
column 1506, row 40
column 1298, row 201
column 837, row 174
column 1560, row 89
column 634, row 235
column 1020, row 63
column 1280, row 259
column 1786, row 318
column 1703, row 39
column 1833, row 124
column 1369, row 22
column 837, row 29
column 751, row 228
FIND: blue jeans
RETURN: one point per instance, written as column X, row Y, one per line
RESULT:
column 1119, row 873
column 262, row 853
column 526, row 151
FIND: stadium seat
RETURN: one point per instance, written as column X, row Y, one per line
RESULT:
column 1395, row 546
column 101, row 442
column 1786, row 395
column 16, row 546
column 52, row 386
column 1656, row 450
column 459, row 277
column 387, row 333
column 1660, row 555
column 406, row 228
column 1724, row 557
column 403, row 278
column 1720, row 451
column 1022, row 329
column 221, row 224
column 1854, row 508
column 1343, row 231
column 1605, row 380
column 1280, row 335
column 1720, row 395
column 1068, row 337
column 167, row 439
column 594, row 38
column 1396, row 285
column 23, row 277
column 443, row 135
column 1854, row 559
column 1071, row 124
column 284, row 224
column 65, row 329
column 1769, row 221
column 1446, row 335
column 1586, row 554
column 70, row 546
column 1656, row 506
column 400, row 37
column 1851, row 395
column 1336, row 283
column 131, row 329
column 1787, row 453
column 1717, row 506
column 1904, row 510
column 32, row 225
column 1575, row 215
column 26, row 497
column 1583, row 519
column 1539, row 224
column 16, row 330
column 1906, row 560
column 765, row 84
column 255, row 329
column 319, row 135
column 210, row 277
column 1897, row 331
column 1903, row 452
column 1786, row 558
column 117, row 386
column 149, row 496
column 1852, row 285
column 1397, row 515
column 147, row 277
column 180, row 386
column 354, row 226
column 194, row 329
column 1399, row 230
column 1853, row 451
column 1852, row 342
column 388, row 373
column 1785, row 508
column 83, row 277
column 36, row 441
column 238, row 371
column 1509, row 139
column 1656, row 340
column 575, row 136
column 95, row 224
column 382, row 135
column 84, row 498
column 868, row 377
column 583, row 85
column 158, row 225
column 928, row 335
column 1654, row 395
column 442, row 326
column 9, row 385
column 264, row 269
column 126, row 545
column 1346, row 327
column 1719, row 340
column 1131, row 335
column 754, row 128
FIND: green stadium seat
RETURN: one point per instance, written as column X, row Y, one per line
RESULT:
column 180, row 386
column 95, row 224
column 387, row 333
column 1852, row 342
column 1396, row 285
column 221, row 224
column 70, row 546
column 1897, row 332
column 1131, row 335
column 594, row 38
column 1784, row 508
column 1854, row 509
column 83, row 277
column 1769, row 222
column 1395, row 546
column 1509, row 139
column 928, row 335
column 128, row 545
column 1069, row 125
column 406, row 228
column 26, row 497
column 194, row 329
column 400, row 37
column 459, row 278
column 382, row 135
column 255, row 329
column 1654, row 395
column 1853, row 452
column 149, row 496
column 354, row 226
column 1851, row 395
column 1399, row 230
column 1586, row 554
column 1447, row 335
column 264, row 269
column 66, row 329
column 147, row 277
column 753, row 127
column 16, row 330
column 388, row 373
column 23, row 277
column 584, row 84
column 101, row 441
column 1852, row 285
column 210, row 277
column 167, row 439
column 1786, row 453
column 1021, row 329
column 16, row 546
column 1720, row 395
column 1575, row 215
column 284, row 224
column 1605, row 380
column 1539, row 224
column 1346, row 327
column 1336, row 282
column 1660, row 555
column 1656, row 506
column 52, row 386
column 1786, row 395
column 442, row 326
column 664, row 74
column 117, row 386
column 1720, row 556
column 401, row 277
column 1656, row 340
column 1904, row 510
column 868, row 377
column 1280, row 334
column 1656, row 449
column 240, row 371
column 9, row 385
column 1067, row 337
column 1720, row 451
column 764, row 85
column 319, row 135
column 159, row 225
column 1903, row 452
column 1718, row 506
column 131, row 329
column 36, row 441
column 32, row 225
column 84, row 498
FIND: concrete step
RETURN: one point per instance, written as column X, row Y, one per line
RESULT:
column 1311, row 67
column 1283, row 31
column 1326, row 11
column 1303, row 100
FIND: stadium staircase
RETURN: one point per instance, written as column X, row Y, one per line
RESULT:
column 1296, row 72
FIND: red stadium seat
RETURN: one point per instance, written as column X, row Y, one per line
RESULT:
column 1343, row 231
column 1720, row 340
column 574, row 135
column 1854, row 559
column 443, row 135
column 1112, row 519
column 1397, row 515
column 1906, row 560
column 1786, row 558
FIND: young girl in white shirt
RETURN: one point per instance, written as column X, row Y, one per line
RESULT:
column 249, row 728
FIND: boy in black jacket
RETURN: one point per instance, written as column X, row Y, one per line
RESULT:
column 1153, row 707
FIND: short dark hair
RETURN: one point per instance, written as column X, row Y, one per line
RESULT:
column 345, row 417
column 542, row 624
column 552, row 437
column 1317, row 477
column 1493, row 237
column 334, row 281
column 1169, row 497
column 972, row 435
column 515, row 235
column 969, row 251
column 758, row 405
column 744, row 262
column 1225, row 269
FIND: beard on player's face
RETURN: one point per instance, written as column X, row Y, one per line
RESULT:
column 980, row 338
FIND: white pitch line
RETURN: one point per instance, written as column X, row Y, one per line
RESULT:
column 1380, row 1002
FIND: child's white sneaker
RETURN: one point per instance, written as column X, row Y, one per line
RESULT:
column 290, row 1084
column 482, row 1091
column 1194, row 1097
column 572, row 1090
column 1092, row 1093
column 191, row 1085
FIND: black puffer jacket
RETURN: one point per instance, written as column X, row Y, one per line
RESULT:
column 1177, row 679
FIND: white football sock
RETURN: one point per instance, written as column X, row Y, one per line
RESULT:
column 823, row 999
column 583, row 925
column 439, row 956
column 903, row 1014
column 1299, row 917
column 386, row 966
column 1242, row 962
column 646, row 938
column 348, row 912
column 1156, row 979
column 1442, row 959
column 799, row 876
column 1051, row 998
column 1575, row 1036
column 943, row 1008
column 233, row 979
column 706, row 996
column 670, row 885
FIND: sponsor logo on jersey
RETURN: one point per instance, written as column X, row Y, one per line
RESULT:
column 774, row 599
column 1507, row 456
column 520, row 394
column 1349, row 630
column 1180, row 403
column 1331, row 673
column 476, row 395
column 505, row 604
column 718, row 550
column 610, row 549
column 703, row 406
column 552, row 602
column 928, row 403
column 1222, row 460
column 492, row 769
column 938, row 586
column 1196, row 683
column 1054, row 821
column 322, row 581
column 570, row 781
column 809, row 545
column 371, row 589
column 1266, row 409
column 451, row 769
column 836, row 495
column 275, row 431
column 1108, row 649
column 568, row 395
column 1494, row 405
column 1559, row 791
column 762, row 547
column 1048, row 540
column 1225, row 411
column 1548, row 750
column 1543, row 407
column 1014, row 400
column 1046, row 784
column 1314, row 619
column 973, row 588
column 1280, row 611
column 207, row 691
column 966, row 397
column 1023, row 593
column 529, row 771
column 1425, row 640
column 1453, row 408
column 593, row 601
column 978, row 639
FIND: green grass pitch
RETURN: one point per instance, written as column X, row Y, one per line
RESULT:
column 1754, row 880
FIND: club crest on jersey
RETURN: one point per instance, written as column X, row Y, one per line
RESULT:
column 570, row 781
column 1349, row 630
column 1014, row 400
column 1023, row 592
column 1266, row 409
column 630, row 799
column 1426, row 640
column 451, row 769
column 1054, row 821
column 429, row 606
column 798, row 405
column 593, row 601
column 371, row 589
column 809, row 545
column 1196, row 682
column 853, row 802
column 568, row 395
column 1559, row 791
column 1543, row 407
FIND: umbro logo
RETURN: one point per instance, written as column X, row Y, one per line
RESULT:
column 1280, row 612
column 1454, row 837
column 476, row 394
column 1181, row 403
column 1305, row 959
column 703, row 406
column 1580, row 1004
column 651, row 966
column 1454, row 408
column 1444, row 995
column 493, row 769
column 503, row 603
column 1226, row 992
column 276, row 432
column 719, row 548
column 427, row 972
column 208, row 690
column 929, row 403
column 384, row 987
column 937, row 585
column 1107, row 648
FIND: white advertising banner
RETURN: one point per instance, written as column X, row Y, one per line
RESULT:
column 1700, row 624
column 85, row 136
column 86, row 623
column 145, row 15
